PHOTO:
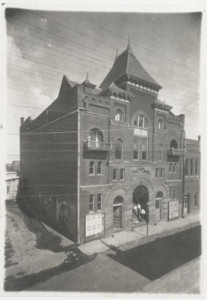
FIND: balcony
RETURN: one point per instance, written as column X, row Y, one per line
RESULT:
column 97, row 145
column 176, row 152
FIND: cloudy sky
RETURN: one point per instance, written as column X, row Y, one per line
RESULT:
column 43, row 45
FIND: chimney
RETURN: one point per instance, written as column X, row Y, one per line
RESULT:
column 22, row 120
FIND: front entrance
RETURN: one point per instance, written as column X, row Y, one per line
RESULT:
column 159, row 206
column 117, row 212
column 140, row 199
column 186, row 209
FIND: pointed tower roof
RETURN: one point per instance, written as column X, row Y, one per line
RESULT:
column 127, row 64
column 87, row 82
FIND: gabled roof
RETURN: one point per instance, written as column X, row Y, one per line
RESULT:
column 127, row 64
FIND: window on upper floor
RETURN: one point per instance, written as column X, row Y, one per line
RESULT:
column 119, row 149
column 92, row 168
column 119, row 115
column 140, row 148
column 95, row 138
column 122, row 174
column 160, row 152
column 186, row 166
column 160, row 124
column 115, row 174
column 173, row 144
column 191, row 166
column 99, row 167
column 91, row 203
column 141, row 122
column 196, row 166
column 99, row 201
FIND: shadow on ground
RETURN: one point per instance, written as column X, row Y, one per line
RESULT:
column 75, row 259
column 159, row 257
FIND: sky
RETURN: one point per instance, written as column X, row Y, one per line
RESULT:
column 42, row 46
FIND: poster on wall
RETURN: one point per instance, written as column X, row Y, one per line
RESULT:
column 94, row 224
column 173, row 210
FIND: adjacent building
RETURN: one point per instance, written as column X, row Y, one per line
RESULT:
column 97, row 152
column 12, row 180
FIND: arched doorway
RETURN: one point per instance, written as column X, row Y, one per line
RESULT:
column 141, row 196
column 159, row 206
column 117, row 212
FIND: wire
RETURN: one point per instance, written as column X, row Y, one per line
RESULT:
column 138, row 46
column 142, row 59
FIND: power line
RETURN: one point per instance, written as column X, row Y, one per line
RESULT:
column 104, row 63
column 139, row 46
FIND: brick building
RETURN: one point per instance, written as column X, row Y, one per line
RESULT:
column 96, row 153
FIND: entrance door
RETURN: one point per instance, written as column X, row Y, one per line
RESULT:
column 117, row 216
column 158, row 206
column 140, row 198
column 117, row 212
column 186, row 204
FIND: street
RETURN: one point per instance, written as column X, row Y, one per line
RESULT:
column 132, row 270
column 38, row 260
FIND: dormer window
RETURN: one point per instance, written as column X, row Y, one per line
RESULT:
column 141, row 122
column 119, row 116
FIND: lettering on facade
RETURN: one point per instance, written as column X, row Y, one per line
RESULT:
column 140, row 132
column 141, row 170
column 94, row 224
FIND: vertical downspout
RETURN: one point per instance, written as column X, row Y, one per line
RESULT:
column 78, row 182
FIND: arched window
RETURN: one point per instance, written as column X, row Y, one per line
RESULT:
column 159, row 196
column 118, row 200
column 99, row 167
column 119, row 116
column 160, row 124
column 95, row 137
column 160, row 152
column 119, row 149
column 141, row 122
column 173, row 144
column 92, row 168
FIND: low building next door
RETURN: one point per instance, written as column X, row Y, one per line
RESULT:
column 117, row 216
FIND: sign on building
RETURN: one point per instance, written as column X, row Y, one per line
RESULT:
column 94, row 224
column 140, row 132
column 173, row 209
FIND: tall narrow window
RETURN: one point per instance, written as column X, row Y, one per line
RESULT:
column 186, row 166
column 160, row 124
column 143, row 147
column 136, row 148
column 99, row 168
column 161, row 173
column 173, row 144
column 119, row 149
column 122, row 174
column 99, row 202
column 157, row 173
column 170, row 168
column 174, row 168
column 114, row 174
column 160, row 152
column 191, row 167
column 141, row 122
column 119, row 116
column 91, row 203
column 196, row 166
column 95, row 138
column 92, row 168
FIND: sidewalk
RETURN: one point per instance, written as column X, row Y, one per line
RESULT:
column 128, row 239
